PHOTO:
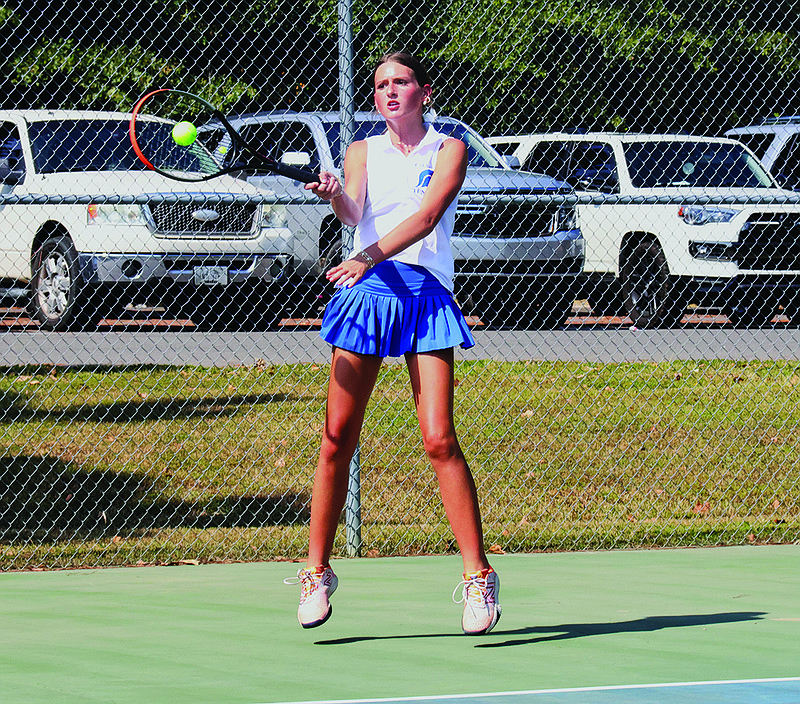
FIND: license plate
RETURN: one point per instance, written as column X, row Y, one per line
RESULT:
column 210, row 275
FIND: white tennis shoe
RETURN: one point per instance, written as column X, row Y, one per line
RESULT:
column 481, row 598
column 316, row 589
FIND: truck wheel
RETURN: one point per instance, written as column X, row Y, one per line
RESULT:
column 330, row 257
column 651, row 300
column 59, row 299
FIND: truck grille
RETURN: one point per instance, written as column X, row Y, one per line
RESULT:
column 217, row 219
column 770, row 241
column 504, row 220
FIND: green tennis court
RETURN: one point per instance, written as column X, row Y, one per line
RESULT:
column 690, row 625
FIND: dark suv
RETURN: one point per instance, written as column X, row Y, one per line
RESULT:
column 517, row 258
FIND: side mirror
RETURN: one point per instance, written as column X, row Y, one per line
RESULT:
column 296, row 158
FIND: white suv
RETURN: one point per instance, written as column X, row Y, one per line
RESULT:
column 776, row 141
column 651, row 259
column 93, row 230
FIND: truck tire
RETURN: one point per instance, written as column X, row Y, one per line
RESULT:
column 59, row 299
column 651, row 299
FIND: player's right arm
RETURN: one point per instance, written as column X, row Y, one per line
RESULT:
column 348, row 201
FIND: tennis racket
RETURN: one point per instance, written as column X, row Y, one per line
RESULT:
column 165, row 136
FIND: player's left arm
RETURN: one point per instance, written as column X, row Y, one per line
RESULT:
column 446, row 181
column 448, row 176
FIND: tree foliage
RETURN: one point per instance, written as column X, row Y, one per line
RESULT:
column 502, row 65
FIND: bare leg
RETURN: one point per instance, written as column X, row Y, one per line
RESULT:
column 352, row 379
column 432, row 384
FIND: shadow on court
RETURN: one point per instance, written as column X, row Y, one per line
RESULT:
column 568, row 631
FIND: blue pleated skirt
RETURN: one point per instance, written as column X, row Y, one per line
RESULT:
column 395, row 309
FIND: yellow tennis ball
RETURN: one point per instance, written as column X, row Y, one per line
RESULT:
column 184, row 133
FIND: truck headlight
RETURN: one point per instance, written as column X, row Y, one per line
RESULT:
column 107, row 214
column 703, row 215
column 566, row 218
column 273, row 215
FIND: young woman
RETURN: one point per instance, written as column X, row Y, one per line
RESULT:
column 395, row 298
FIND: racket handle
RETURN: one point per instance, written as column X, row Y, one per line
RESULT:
column 295, row 173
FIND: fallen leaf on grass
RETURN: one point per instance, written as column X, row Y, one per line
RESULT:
column 496, row 550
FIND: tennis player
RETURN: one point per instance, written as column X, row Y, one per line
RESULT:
column 395, row 298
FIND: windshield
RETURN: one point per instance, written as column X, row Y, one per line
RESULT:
column 480, row 153
column 698, row 164
column 103, row 145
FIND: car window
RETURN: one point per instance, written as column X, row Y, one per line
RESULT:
column 592, row 167
column 588, row 166
column 506, row 148
column 364, row 129
column 265, row 136
column 703, row 164
column 275, row 139
column 11, row 158
column 549, row 158
column 757, row 142
column 787, row 165
column 297, row 137
column 102, row 145
column 479, row 152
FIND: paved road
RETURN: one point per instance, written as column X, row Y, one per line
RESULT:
column 154, row 341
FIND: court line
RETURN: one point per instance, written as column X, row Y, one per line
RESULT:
column 529, row 692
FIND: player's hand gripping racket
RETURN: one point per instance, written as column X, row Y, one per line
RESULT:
column 164, row 134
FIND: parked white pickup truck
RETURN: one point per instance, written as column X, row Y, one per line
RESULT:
column 650, row 260
column 209, row 252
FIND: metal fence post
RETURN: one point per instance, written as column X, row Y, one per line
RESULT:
column 347, row 120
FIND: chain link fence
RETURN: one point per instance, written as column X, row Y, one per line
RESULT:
column 626, row 251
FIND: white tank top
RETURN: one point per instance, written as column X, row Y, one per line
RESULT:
column 395, row 186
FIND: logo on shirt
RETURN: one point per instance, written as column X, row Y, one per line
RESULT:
column 424, row 180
